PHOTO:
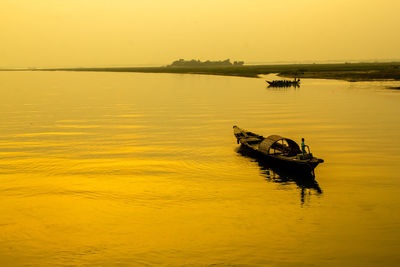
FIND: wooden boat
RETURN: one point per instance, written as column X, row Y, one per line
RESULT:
column 284, row 83
column 278, row 150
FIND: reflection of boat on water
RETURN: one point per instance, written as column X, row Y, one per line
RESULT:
column 278, row 150
column 284, row 83
column 278, row 174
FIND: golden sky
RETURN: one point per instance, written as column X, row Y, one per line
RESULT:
column 56, row 33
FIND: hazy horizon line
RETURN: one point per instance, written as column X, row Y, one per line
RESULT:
column 272, row 62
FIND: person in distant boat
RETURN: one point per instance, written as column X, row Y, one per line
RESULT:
column 303, row 146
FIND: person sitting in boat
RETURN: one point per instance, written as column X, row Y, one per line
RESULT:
column 303, row 146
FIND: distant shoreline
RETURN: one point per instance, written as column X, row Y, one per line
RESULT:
column 345, row 71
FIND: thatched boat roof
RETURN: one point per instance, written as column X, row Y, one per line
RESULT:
column 272, row 142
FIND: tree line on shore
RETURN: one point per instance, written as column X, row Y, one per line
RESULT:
column 198, row 63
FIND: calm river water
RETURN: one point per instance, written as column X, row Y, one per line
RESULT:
column 143, row 169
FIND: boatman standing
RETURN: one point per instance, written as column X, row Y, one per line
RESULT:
column 303, row 146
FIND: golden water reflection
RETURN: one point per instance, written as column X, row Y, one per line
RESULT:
column 141, row 169
column 306, row 182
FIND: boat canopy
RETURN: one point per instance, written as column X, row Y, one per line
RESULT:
column 272, row 141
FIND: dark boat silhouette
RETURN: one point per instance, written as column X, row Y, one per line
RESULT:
column 284, row 83
column 278, row 150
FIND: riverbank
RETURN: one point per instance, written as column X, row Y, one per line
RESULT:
column 345, row 71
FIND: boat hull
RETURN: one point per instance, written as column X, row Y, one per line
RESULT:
column 287, row 164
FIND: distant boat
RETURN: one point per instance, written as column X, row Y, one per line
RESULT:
column 278, row 150
column 284, row 83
